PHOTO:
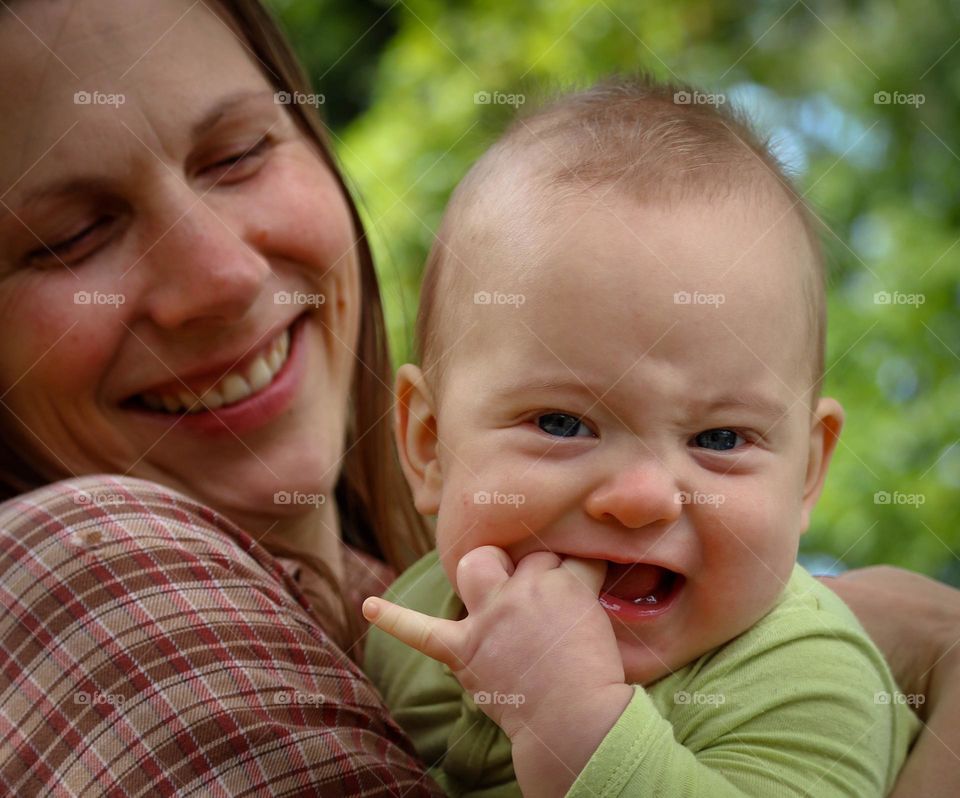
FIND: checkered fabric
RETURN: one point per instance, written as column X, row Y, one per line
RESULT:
column 149, row 647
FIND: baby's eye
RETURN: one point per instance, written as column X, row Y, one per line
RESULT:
column 719, row 440
column 563, row 425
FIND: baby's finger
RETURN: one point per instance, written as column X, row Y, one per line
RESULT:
column 538, row 562
column 480, row 573
column 439, row 639
column 590, row 573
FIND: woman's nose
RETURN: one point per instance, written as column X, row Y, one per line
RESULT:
column 200, row 266
column 637, row 495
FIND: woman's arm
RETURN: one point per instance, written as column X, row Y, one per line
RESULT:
column 148, row 646
column 916, row 623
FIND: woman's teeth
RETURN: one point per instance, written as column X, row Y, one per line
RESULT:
column 236, row 386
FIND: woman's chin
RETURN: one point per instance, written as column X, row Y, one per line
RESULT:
column 253, row 492
column 259, row 508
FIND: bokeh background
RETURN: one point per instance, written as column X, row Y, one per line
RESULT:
column 862, row 101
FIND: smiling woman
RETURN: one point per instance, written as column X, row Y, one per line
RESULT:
column 152, row 251
column 186, row 297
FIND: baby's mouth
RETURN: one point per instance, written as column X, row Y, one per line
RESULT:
column 639, row 588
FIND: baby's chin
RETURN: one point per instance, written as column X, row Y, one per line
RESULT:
column 645, row 665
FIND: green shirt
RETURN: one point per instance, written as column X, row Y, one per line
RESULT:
column 802, row 703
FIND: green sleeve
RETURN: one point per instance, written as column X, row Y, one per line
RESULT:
column 796, row 706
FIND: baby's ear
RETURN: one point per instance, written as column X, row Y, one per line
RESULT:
column 825, row 426
column 415, row 426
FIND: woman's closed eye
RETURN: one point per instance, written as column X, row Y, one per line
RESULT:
column 718, row 440
column 239, row 165
column 563, row 425
column 74, row 248
column 234, row 168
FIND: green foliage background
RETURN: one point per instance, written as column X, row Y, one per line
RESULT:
column 400, row 80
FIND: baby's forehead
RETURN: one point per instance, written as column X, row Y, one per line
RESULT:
column 609, row 267
column 524, row 232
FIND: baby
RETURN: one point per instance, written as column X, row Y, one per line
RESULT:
column 618, row 424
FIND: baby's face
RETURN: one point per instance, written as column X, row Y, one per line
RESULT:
column 638, row 395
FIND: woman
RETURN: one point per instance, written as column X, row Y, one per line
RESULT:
column 175, row 236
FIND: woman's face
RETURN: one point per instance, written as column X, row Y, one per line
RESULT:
column 165, row 229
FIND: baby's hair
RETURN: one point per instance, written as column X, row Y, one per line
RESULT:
column 643, row 138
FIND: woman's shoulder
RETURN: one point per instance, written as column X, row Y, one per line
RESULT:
column 139, row 621
column 127, row 533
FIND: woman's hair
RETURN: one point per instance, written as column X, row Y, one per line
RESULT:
column 376, row 511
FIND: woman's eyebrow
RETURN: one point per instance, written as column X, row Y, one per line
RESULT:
column 82, row 184
column 227, row 105
column 65, row 188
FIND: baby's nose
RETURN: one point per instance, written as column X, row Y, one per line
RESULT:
column 643, row 494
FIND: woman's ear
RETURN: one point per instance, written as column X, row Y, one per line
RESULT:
column 825, row 429
column 415, row 426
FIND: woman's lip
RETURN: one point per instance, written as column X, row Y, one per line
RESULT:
column 629, row 612
column 198, row 381
column 253, row 412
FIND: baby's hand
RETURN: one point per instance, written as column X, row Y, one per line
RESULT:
column 537, row 652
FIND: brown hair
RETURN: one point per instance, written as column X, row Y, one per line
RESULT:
column 376, row 510
column 652, row 140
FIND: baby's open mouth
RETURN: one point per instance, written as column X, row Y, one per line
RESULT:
column 639, row 588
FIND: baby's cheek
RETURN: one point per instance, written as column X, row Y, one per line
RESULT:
column 481, row 518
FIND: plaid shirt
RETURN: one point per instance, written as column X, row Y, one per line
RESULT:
column 149, row 647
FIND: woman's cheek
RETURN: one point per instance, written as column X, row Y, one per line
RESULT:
column 61, row 338
column 303, row 211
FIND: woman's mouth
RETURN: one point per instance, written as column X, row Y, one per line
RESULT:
column 639, row 590
column 256, row 391
column 234, row 387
